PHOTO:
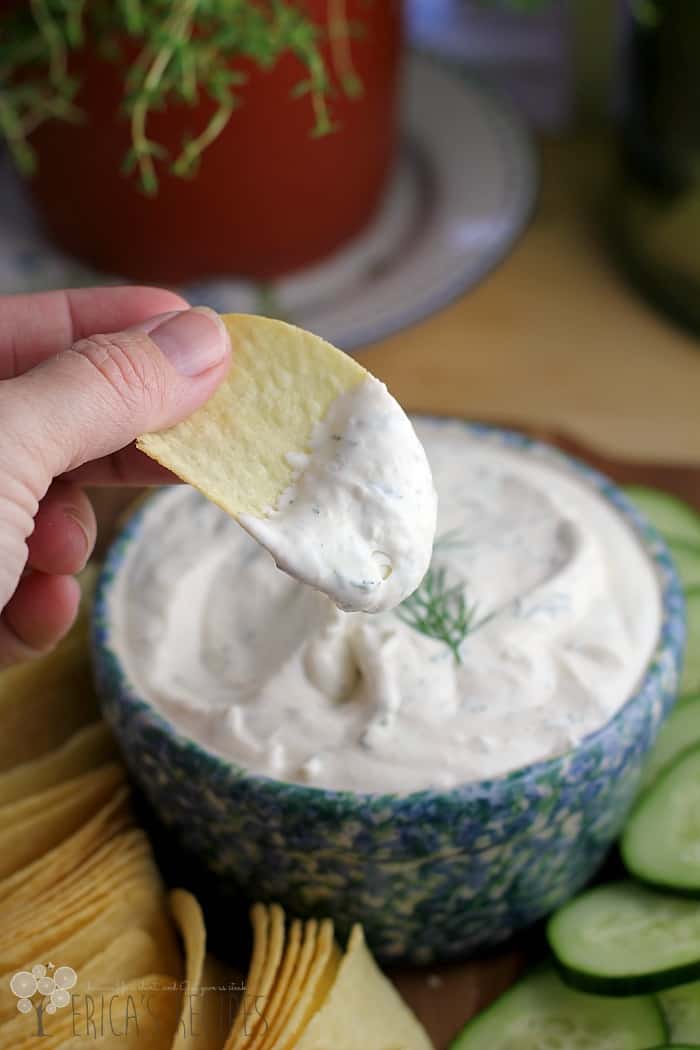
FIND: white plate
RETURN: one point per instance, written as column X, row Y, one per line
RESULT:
column 462, row 193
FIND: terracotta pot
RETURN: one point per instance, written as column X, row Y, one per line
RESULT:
column 268, row 198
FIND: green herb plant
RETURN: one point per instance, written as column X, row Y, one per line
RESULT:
column 184, row 49
column 439, row 609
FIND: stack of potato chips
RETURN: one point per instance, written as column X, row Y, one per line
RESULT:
column 89, row 952
column 303, row 993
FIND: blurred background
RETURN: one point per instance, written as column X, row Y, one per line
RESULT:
column 497, row 202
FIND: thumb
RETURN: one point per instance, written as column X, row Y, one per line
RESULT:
column 96, row 397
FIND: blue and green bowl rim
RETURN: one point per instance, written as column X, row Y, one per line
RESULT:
column 113, row 681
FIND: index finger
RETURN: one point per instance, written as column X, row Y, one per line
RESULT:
column 126, row 467
column 34, row 327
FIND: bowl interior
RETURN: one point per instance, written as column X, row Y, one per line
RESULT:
column 662, row 667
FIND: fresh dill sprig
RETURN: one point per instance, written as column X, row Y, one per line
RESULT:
column 441, row 611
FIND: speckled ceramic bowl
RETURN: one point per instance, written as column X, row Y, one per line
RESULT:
column 432, row 875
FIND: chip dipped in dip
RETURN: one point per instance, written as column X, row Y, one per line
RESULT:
column 316, row 460
column 534, row 624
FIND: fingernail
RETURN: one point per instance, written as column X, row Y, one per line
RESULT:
column 73, row 515
column 192, row 340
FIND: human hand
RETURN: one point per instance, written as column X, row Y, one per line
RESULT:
column 71, row 403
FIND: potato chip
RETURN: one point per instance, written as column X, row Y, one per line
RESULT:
column 30, row 882
column 260, row 919
column 305, row 958
column 143, row 908
column 140, row 910
column 30, row 828
column 275, row 948
column 66, row 911
column 363, row 1008
column 133, row 953
column 235, row 448
column 41, row 938
column 89, row 747
column 313, row 992
column 205, row 1014
column 19, row 811
column 256, row 998
column 275, row 1003
column 125, row 856
column 188, row 917
column 118, row 961
column 167, row 957
column 221, row 990
column 114, row 854
column 44, row 701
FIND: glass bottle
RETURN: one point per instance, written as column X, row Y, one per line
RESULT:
column 657, row 213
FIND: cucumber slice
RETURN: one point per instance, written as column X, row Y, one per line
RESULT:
column 661, row 842
column 687, row 559
column 674, row 519
column 680, row 732
column 624, row 939
column 541, row 1013
column 681, row 1009
column 690, row 682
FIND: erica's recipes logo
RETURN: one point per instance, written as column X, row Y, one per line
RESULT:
column 132, row 1009
column 44, row 989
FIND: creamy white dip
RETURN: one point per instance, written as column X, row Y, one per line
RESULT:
column 563, row 603
column 358, row 522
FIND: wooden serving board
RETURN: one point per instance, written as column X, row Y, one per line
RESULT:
column 445, row 997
